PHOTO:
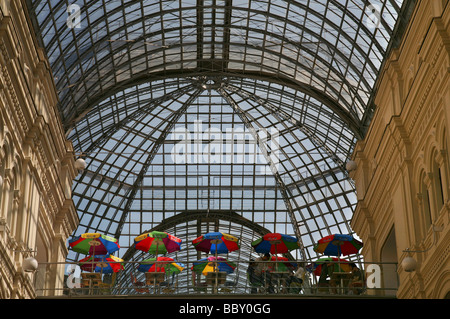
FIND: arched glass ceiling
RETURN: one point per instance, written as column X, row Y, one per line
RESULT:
column 331, row 50
column 139, row 136
column 132, row 76
column 183, row 149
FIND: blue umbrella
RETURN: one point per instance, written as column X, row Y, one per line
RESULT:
column 338, row 244
column 216, row 243
column 211, row 264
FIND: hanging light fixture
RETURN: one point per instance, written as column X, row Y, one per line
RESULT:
column 30, row 264
column 350, row 166
column 80, row 164
column 409, row 263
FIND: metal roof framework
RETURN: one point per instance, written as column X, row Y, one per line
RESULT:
column 244, row 106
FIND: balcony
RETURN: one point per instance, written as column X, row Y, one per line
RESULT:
column 379, row 281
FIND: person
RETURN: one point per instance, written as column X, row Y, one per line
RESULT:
column 300, row 272
column 357, row 281
column 323, row 282
column 334, row 283
column 262, row 263
column 255, row 281
column 327, row 271
column 295, row 281
column 262, row 272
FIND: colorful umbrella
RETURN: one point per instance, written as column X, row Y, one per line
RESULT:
column 275, row 243
column 282, row 264
column 94, row 244
column 337, row 245
column 212, row 263
column 216, row 243
column 340, row 265
column 161, row 264
column 157, row 242
column 106, row 264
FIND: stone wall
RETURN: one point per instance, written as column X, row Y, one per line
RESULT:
column 36, row 162
column 403, row 174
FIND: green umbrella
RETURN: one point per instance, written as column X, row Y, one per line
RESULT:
column 340, row 265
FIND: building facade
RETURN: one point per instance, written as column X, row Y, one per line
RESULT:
column 37, row 163
column 402, row 174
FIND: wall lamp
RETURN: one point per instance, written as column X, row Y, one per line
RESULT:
column 29, row 264
column 409, row 264
column 350, row 166
column 80, row 164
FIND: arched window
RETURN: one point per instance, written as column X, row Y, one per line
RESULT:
column 426, row 217
column 2, row 174
column 437, row 182
column 445, row 168
column 5, row 189
column 439, row 173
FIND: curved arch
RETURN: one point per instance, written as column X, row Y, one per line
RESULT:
column 187, row 216
column 351, row 121
column 424, row 218
column 89, row 62
column 433, row 163
column 8, row 151
column 225, row 221
column 442, row 288
column 2, row 130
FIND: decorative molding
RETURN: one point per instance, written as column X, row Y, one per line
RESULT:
column 400, row 142
column 36, row 146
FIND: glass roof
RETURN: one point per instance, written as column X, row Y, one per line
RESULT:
column 205, row 115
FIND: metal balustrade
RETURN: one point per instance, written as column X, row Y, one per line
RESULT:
column 379, row 281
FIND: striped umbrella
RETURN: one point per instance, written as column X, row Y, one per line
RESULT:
column 161, row 264
column 275, row 243
column 212, row 264
column 216, row 243
column 106, row 264
column 337, row 245
column 94, row 244
column 157, row 242
column 340, row 265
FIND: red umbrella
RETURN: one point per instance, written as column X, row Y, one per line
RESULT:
column 339, row 265
column 337, row 245
column 216, row 243
column 105, row 264
column 161, row 264
column 94, row 244
column 157, row 242
column 275, row 243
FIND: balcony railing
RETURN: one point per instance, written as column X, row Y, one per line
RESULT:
column 373, row 280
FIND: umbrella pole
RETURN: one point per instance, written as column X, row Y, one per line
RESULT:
column 156, row 266
column 339, row 267
column 276, row 258
column 216, row 273
column 92, row 243
column 276, row 267
column 216, row 268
